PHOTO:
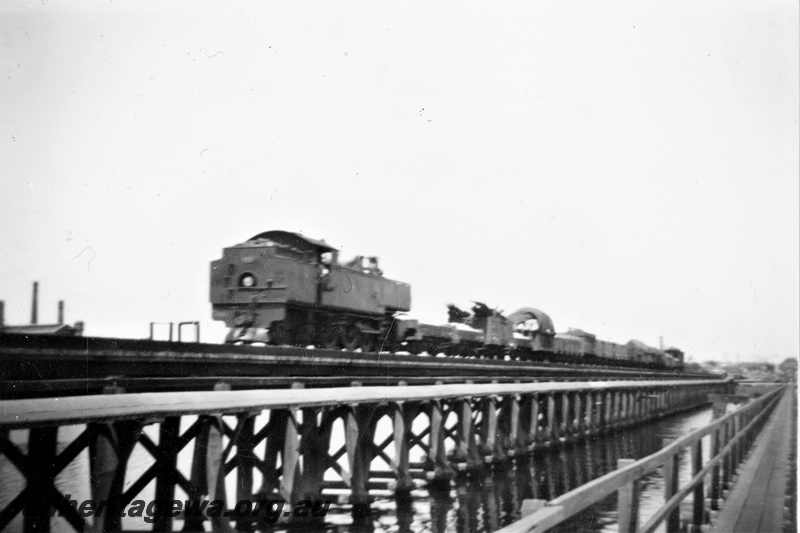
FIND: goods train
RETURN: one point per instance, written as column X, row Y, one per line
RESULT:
column 283, row 288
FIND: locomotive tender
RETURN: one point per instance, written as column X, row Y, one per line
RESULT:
column 283, row 288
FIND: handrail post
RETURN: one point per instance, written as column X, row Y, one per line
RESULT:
column 698, row 498
column 198, row 477
column 466, row 449
column 490, row 431
column 631, row 408
column 714, row 491
column 748, row 416
column 628, row 502
column 291, row 451
column 442, row 472
column 215, row 464
column 534, row 435
column 566, row 423
column 515, row 424
column 110, row 447
column 42, row 444
column 402, row 418
column 671, row 488
column 359, row 435
column 724, row 467
column 246, row 462
column 552, row 427
column 168, row 440
column 727, row 474
column 740, row 445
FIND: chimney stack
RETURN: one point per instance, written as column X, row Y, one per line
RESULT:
column 35, row 305
column 60, row 312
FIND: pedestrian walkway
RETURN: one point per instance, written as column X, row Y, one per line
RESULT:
column 756, row 503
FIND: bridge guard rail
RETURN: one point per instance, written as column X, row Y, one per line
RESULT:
column 730, row 438
column 460, row 427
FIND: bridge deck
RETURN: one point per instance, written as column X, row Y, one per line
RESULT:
column 756, row 503
column 48, row 366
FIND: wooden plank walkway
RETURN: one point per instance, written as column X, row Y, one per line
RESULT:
column 756, row 503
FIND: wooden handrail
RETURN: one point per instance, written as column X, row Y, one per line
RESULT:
column 559, row 509
column 682, row 493
column 83, row 409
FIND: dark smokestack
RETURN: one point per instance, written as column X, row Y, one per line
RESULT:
column 60, row 312
column 35, row 305
column 2, row 314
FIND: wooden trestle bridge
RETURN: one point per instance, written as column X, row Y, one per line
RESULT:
column 297, row 443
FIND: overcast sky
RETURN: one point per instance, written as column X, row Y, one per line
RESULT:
column 631, row 168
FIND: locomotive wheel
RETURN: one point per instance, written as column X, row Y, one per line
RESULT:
column 328, row 338
column 305, row 336
column 352, row 338
column 280, row 334
column 451, row 350
column 368, row 344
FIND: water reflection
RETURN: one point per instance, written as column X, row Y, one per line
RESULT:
column 494, row 499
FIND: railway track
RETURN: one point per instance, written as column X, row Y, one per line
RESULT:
column 46, row 366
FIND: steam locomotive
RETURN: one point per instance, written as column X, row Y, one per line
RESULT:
column 283, row 288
